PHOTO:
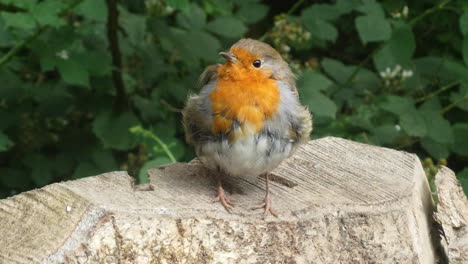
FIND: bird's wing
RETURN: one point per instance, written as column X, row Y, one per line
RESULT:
column 197, row 114
column 301, row 125
column 208, row 75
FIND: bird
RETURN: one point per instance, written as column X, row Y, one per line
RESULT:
column 247, row 117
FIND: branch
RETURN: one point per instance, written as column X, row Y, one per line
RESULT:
column 442, row 89
column 11, row 8
column 113, row 38
column 12, row 52
column 454, row 104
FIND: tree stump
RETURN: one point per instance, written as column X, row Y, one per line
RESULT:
column 452, row 214
column 338, row 202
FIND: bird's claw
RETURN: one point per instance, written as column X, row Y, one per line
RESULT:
column 267, row 206
column 225, row 201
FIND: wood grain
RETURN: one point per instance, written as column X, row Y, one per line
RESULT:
column 339, row 202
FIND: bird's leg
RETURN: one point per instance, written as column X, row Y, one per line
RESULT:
column 267, row 202
column 221, row 195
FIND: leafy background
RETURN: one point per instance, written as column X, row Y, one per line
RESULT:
column 90, row 86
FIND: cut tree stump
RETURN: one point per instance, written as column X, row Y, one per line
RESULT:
column 338, row 202
column 452, row 214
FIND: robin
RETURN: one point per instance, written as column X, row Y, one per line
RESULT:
column 247, row 117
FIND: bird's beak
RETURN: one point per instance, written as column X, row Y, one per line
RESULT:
column 229, row 56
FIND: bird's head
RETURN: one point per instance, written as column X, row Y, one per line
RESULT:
column 250, row 58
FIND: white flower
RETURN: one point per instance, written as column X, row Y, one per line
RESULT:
column 406, row 74
column 397, row 127
column 396, row 15
column 395, row 71
column 405, row 11
column 63, row 54
column 285, row 48
column 385, row 74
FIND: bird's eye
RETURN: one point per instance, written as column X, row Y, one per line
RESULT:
column 257, row 63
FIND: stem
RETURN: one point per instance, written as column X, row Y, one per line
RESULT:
column 149, row 134
column 429, row 11
column 361, row 65
column 164, row 147
column 12, row 52
column 294, row 7
column 442, row 89
column 453, row 104
column 113, row 38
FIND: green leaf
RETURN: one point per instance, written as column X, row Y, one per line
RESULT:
column 194, row 20
column 218, row 7
column 371, row 7
column 19, row 20
column 93, row 10
column 202, row 45
column 435, row 149
column 397, row 104
column 229, row 27
column 325, row 12
column 179, row 4
column 104, row 160
column 413, row 123
column 320, row 28
column 398, row 50
column 135, row 26
column 48, row 13
column 5, row 142
column 346, row 6
column 438, row 128
column 465, row 49
column 437, row 68
column 143, row 176
column 252, row 12
column 385, row 134
column 365, row 80
column 312, row 81
column 460, row 146
column 320, row 105
column 337, row 70
column 464, row 23
column 96, row 62
column 113, row 130
column 72, row 72
column 373, row 28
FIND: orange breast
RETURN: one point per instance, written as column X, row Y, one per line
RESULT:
column 245, row 95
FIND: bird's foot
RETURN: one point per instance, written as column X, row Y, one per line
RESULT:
column 267, row 206
column 225, row 201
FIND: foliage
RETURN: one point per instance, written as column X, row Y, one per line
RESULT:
column 77, row 90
